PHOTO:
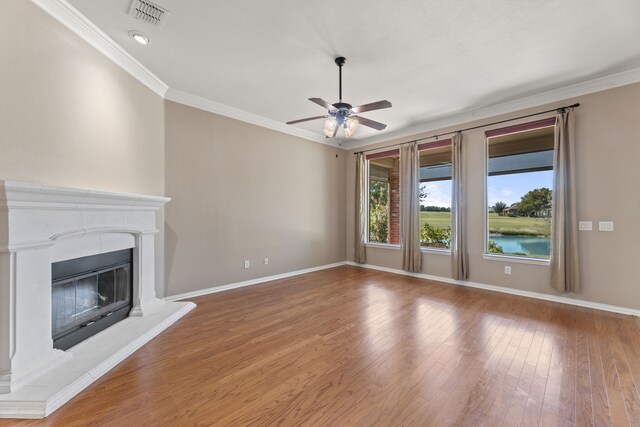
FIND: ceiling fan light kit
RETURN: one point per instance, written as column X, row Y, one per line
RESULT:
column 342, row 114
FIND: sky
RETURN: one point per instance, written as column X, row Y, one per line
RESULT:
column 510, row 188
column 439, row 193
column 502, row 188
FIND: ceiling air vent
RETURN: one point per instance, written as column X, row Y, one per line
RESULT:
column 148, row 12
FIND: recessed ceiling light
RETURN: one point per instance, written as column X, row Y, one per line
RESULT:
column 139, row 37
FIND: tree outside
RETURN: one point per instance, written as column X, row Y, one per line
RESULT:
column 378, row 211
column 536, row 203
column 498, row 207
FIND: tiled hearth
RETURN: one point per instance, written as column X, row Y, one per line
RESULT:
column 40, row 225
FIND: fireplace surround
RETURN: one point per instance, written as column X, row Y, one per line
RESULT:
column 39, row 227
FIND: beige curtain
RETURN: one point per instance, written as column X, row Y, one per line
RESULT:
column 564, row 228
column 459, row 255
column 410, row 207
column 359, row 254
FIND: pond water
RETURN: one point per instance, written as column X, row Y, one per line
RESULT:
column 529, row 245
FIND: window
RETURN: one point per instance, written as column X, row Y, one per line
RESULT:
column 384, row 197
column 519, row 189
column 435, row 194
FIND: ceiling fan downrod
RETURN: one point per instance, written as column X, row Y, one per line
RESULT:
column 340, row 60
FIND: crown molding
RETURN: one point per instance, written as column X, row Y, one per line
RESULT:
column 205, row 104
column 88, row 31
column 555, row 95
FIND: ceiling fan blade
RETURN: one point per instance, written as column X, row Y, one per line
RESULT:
column 379, row 105
column 321, row 102
column 307, row 119
column 335, row 131
column 370, row 123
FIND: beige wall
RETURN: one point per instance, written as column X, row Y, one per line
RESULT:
column 71, row 117
column 241, row 192
column 608, row 149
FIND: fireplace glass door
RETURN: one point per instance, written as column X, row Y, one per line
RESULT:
column 82, row 300
column 88, row 294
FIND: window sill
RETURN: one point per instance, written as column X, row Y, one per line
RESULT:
column 516, row 259
column 383, row 246
column 428, row 250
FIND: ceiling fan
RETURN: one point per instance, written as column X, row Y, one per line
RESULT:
column 343, row 114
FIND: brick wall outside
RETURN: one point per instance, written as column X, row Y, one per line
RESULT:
column 394, row 203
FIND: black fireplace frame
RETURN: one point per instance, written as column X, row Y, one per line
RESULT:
column 92, row 265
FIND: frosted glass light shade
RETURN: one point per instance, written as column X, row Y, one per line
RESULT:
column 350, row 126
column 329, row 127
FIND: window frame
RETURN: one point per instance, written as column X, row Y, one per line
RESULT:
column 491, row 133
column 367, row 242
column 425, row 147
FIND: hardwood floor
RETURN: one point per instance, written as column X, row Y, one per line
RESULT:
column 350, row 346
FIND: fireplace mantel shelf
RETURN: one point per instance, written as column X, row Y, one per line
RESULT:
column 19, row 194
column 40, row 225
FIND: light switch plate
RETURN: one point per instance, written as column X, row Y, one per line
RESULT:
column 585, row 226
column 605, row 226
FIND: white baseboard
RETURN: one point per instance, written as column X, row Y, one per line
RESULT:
column 505, row 290
column 251, row 282
column 528, row 294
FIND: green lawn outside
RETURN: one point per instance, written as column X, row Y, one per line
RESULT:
column 437, row 219
column 517, row 225
column 507, row 225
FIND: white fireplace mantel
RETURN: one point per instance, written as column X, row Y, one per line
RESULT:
column 40, row 225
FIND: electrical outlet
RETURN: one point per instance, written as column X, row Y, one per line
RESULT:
column 605, row 226
column 507, row 269
column 246, row 264
column 585, row 226
column 266, row 261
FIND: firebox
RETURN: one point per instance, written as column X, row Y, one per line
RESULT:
column 88, row 295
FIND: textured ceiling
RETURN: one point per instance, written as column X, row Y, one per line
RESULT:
column 431, row 58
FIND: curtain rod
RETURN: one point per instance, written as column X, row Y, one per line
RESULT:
column 559, row 110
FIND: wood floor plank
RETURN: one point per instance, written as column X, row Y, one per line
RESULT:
column 354, row 347
column 625, row 377
column 636, row 319
column 584, row 398
column 568, row 398
column 617, row 408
